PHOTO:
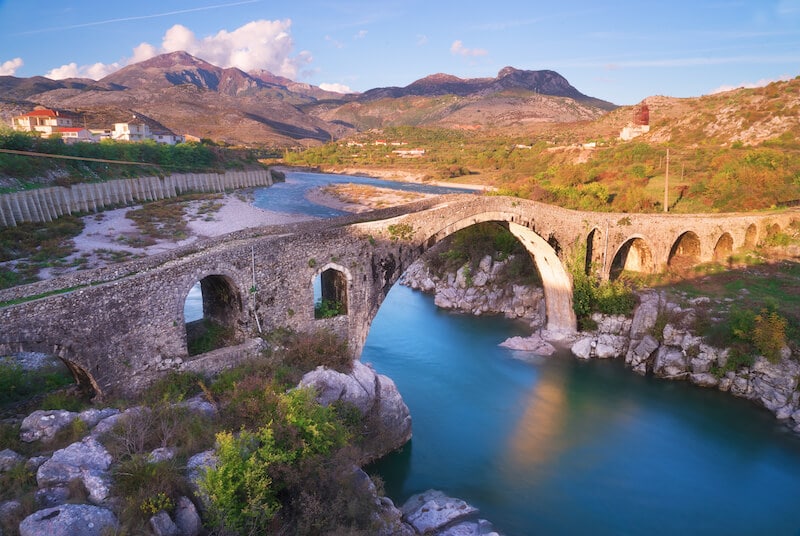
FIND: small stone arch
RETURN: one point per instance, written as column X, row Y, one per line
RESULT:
column 221, row 310
column 83, row 378
column 685, row 251
column 633, row 256
column 750, row 237
column 723, row 249
column 773, row 230
column 331, row 285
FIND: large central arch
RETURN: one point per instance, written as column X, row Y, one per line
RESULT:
column 555, row 280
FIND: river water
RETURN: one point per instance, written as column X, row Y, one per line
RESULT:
column 559, row 446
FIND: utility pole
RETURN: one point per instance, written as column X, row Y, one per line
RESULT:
column 666, row 185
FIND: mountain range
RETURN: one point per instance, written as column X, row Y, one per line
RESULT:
column 188, row 95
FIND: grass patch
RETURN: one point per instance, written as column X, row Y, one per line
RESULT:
column 17, row 384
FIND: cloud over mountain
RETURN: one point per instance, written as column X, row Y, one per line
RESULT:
column 260, row 44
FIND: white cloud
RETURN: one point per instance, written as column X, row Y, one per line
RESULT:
column 95, row 71
column 8, row 68
column 360, row 35
column 422, row 40
column 338, row 88
column 261, row 44
column 750, row 85
column 334, row 42
column 459, row 49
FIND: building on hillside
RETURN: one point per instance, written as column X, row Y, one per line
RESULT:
column 130, row 132
column 640, row 124
column 167, row 137
column 409, row 153
column 75, row 134
column 137, row 132
column 42, row 120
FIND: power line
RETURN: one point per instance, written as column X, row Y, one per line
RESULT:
column 66, row 157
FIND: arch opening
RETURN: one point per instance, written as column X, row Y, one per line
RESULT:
column 212, row 310
column 594, row 252
column 34, row 370
column 723, row 249
column 750, row 236
column 555, row 280
column 633, row 256
column 685, row 251
column 330, row 292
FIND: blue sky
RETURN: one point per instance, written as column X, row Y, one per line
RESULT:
column 620, row 51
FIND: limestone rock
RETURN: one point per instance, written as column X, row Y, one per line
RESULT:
column 670, row 362
column 368, row 392
column 162, row 454
column 107, row 424
column 610, row 345
column 43, row 425
column 162, row 525
column 704, row 379
column 432, row 510
column 470, row 528
column 186, row 517
column 645, row 315
column 196, row 467
column 87, row 461
column 639, row 355
column 534, row 344
column 10, row 513
column 198, row 404
column 357, row 388
column 584, row 348
column 9, row 459
column 52, row 496
column 70, row 520
column 93, row 416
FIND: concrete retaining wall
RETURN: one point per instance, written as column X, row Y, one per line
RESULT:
column 47, row 204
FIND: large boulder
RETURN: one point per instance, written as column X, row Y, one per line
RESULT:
column 534, row 344
column 374, row 395
column 645, row 315
column 70, row 520
column 640, row 354
column 9, row 459
column 43, row 425
column 432, row 510
column 670, row 363
column 87, row 461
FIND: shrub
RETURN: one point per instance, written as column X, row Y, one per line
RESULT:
column 326, row 308
column 254, row 467
column 145, row 488
column 769, row 334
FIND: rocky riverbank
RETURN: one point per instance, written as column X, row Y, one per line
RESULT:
column 670, row 350
column 485, row 291
column 76, row 484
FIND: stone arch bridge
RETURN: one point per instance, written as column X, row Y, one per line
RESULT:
column 120, row 326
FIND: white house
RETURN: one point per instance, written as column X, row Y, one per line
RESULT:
column 75, row 134
column 130, row 132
